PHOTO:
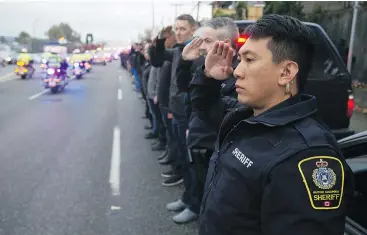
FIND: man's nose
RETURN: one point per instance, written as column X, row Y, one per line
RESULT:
column 236, row 73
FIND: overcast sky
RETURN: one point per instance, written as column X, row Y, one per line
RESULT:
column 110, row 20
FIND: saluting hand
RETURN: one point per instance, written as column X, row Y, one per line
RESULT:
column 191, row 50
column 164, row 32
column 218, row 62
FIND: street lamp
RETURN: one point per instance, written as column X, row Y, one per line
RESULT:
column 352, row 36
column 33, row 32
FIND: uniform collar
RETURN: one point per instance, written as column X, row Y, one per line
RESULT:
column 290, row 110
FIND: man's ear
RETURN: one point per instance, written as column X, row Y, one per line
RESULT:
column 288, row 72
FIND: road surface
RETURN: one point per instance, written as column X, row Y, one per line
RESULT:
column 77, row 162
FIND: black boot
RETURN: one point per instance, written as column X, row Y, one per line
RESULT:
column 161, row 146
column 163, row 155
column 151, row 135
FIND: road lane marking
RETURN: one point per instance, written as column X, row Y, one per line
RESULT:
column 115, row 208
column 115, row 162
column 119, row 78
column 119, row 94
column 37, row 95
column 7, row 77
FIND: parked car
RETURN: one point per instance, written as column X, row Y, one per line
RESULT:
column 355, row 151
column 329, row 81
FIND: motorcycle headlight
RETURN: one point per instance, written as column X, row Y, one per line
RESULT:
column 76, row 65
column 50, row 71
column 58, row 70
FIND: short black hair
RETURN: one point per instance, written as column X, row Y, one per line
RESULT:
column 188, row 18
column 290, row 40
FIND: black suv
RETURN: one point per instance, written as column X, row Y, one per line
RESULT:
column 329, row 81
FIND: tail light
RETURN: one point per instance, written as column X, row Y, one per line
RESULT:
column 241, row 40
column 350, row 106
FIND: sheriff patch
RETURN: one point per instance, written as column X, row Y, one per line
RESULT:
column 323, row 177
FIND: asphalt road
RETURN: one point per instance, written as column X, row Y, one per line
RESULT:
column 77, row 162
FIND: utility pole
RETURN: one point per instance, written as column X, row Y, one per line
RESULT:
column 176, row 5
column 153, row 16
column 198, row 10
column 352, row 36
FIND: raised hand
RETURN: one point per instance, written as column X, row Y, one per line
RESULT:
column 165, row 32
column 218, row 62
column 191, row 50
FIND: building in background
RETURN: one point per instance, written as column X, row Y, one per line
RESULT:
column 251, row 10
column 255, row 9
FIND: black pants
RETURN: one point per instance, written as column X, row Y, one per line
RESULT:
column 200, row 164
column 168, row 125
column 170, row 136
column 147, row 112
column 158, row 126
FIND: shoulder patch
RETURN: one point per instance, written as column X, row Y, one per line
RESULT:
column 323, row 177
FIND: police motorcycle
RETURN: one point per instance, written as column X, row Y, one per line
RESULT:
column 43, row 65
column 78, row 65
column 24, row 67
column 88, row 61
column 24, row 70
column 56, row 76
column 78, row 69
column 87, row 66
column 354, row 149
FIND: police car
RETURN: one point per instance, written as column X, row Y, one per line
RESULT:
column 355, row 150
column 329, row 81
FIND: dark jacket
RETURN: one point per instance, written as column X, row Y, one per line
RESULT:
column 145, row 77
column 158, row 56
column 164, row 83
column 277, row 173
column 204, row 123
column 139, row 62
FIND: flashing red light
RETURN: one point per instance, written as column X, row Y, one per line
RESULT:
column 350, row 106
column 241, row 40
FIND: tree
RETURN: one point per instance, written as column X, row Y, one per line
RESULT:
column 294, row 9
column 241, row 10
column 63, row 30
column 223, row 13
column 2, row 39
column 316, row 15
column 23, row 38
column 146, row 36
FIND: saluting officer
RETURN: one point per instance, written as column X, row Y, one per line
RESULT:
column 276, row 169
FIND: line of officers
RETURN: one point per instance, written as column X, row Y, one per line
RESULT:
column 237, row 129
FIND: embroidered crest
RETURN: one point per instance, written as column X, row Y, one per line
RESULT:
column 323, row 177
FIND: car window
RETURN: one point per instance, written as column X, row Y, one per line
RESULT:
column 326, row 64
